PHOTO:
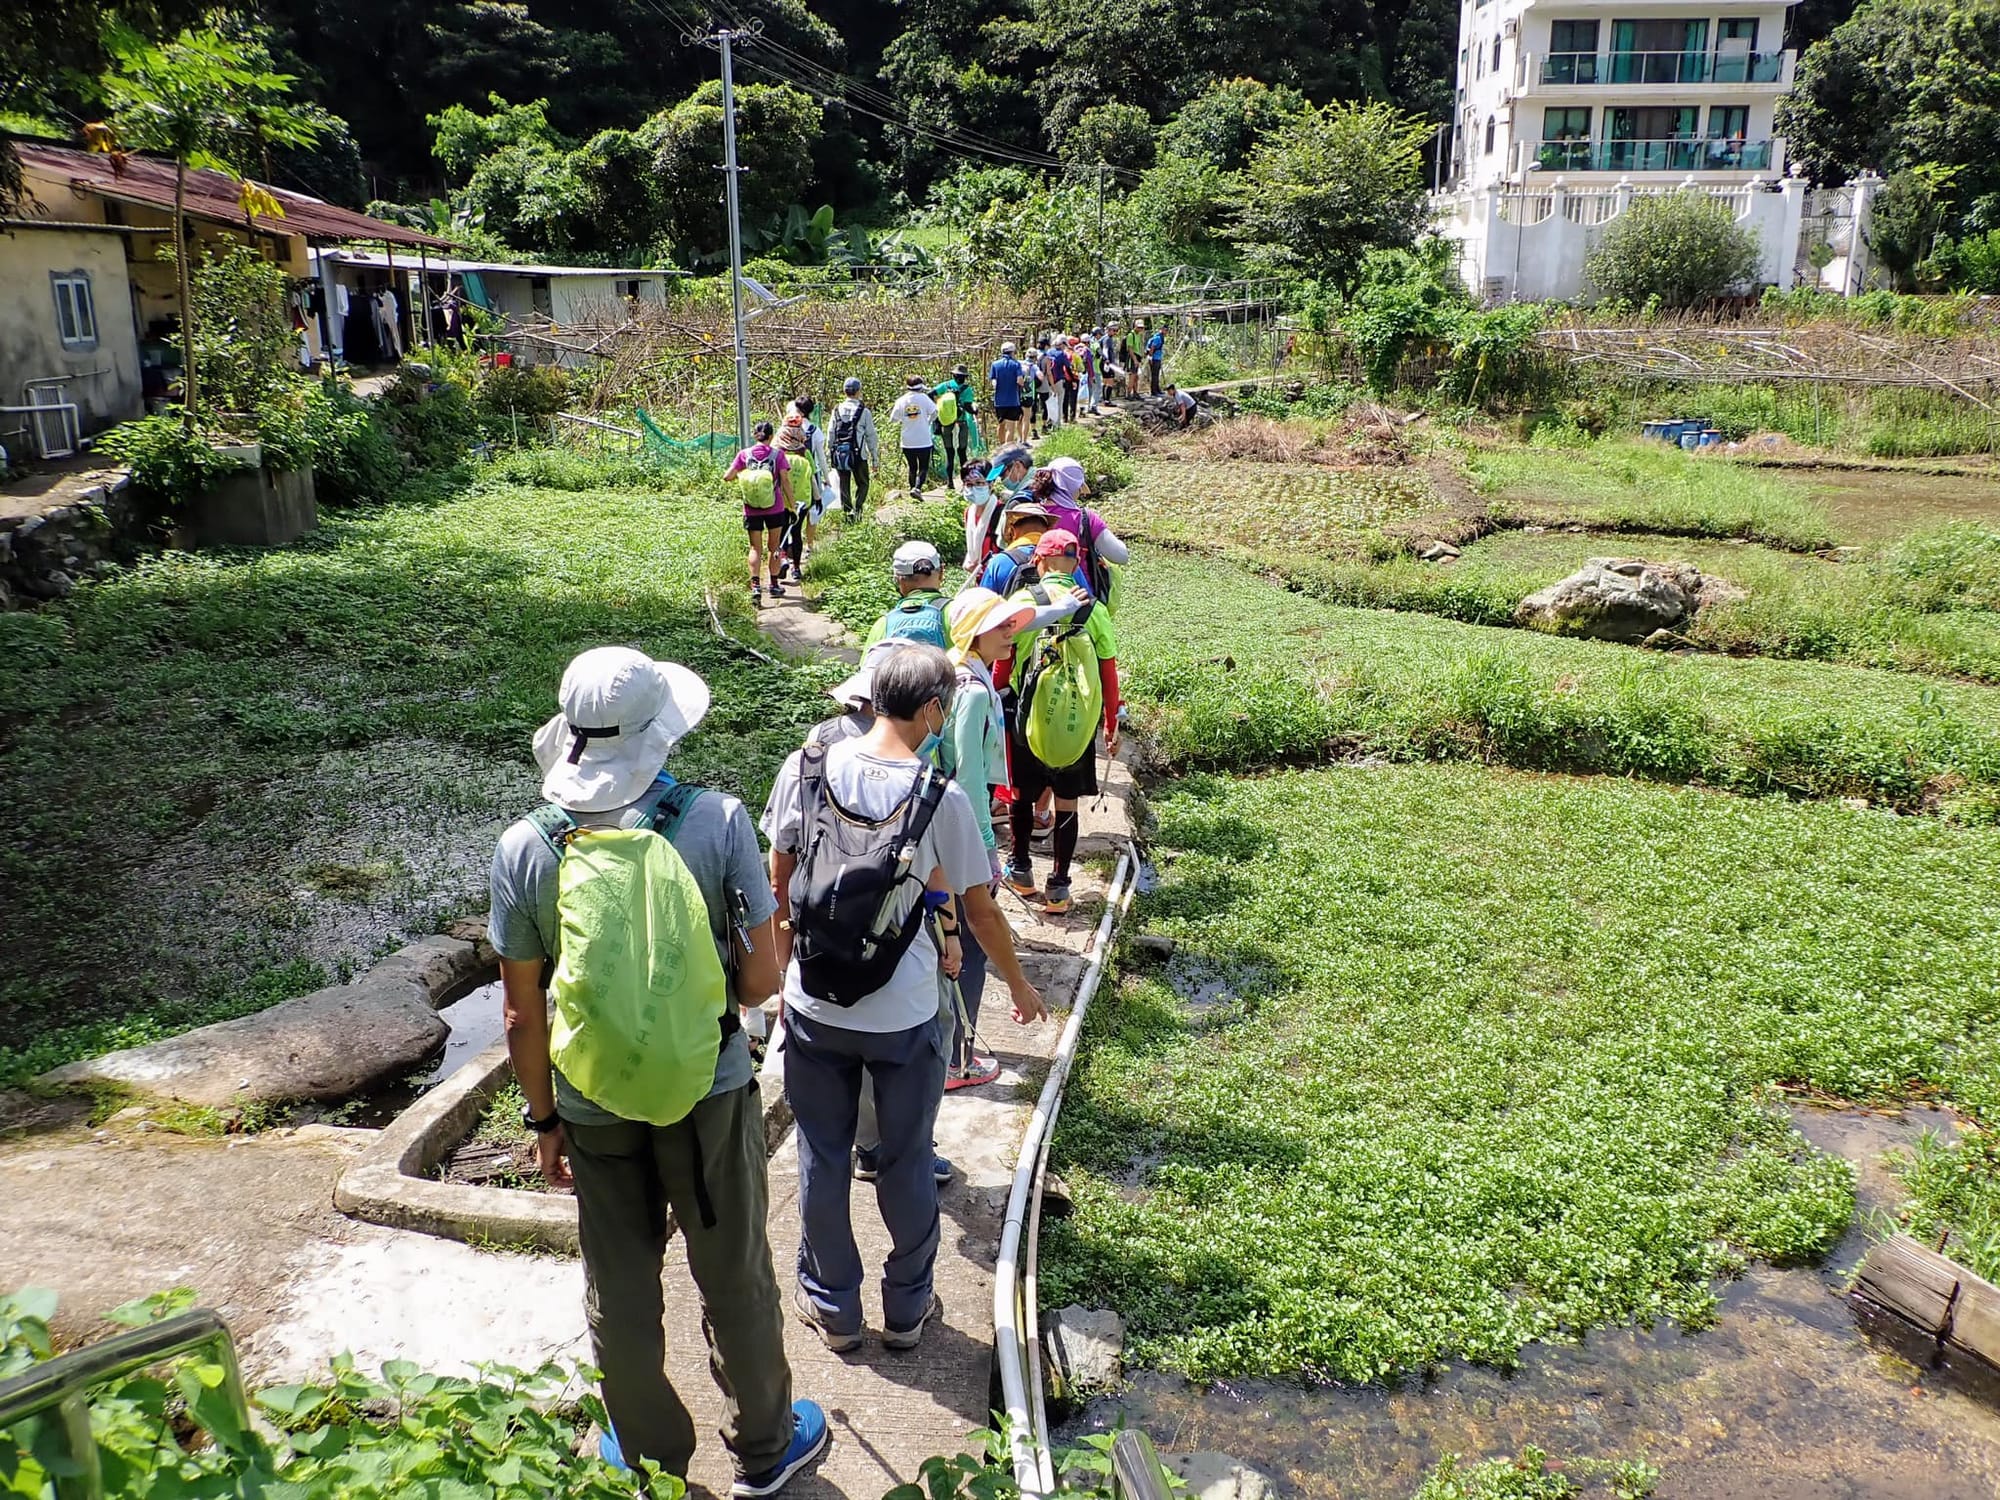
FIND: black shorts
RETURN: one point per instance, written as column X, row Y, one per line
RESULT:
column 1007, row 413
column 755, row 524
column 1032, row 778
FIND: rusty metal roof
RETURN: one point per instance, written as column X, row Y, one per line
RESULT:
column 212, row 196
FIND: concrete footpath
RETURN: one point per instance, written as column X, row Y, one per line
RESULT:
column 106, row 1214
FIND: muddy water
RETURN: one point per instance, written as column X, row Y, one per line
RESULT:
column 1880, row 506
column 1787, row 1397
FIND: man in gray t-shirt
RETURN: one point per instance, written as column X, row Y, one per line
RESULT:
column 893, row 1034
column 603, row 758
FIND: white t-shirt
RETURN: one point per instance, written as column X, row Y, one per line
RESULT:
column 871, row 787
column 915, row 411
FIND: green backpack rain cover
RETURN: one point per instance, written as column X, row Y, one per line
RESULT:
column 639, row 991
column 1062, row 697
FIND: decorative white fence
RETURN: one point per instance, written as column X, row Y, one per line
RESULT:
column 1531, row 246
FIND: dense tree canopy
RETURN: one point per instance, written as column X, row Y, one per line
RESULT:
column 1903, row 85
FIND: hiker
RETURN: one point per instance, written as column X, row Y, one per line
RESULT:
column 1065, row 680
column 853, row 449
column 983, row 504
column 1008, row 470
column 1182, row 405
column 1128, row 357
column 974, row 754
column 1090, row 391
column 954, row 422
column 1034, row 398
column 1011, row 568
column 797, row 437
column 760, row 474
column 644, row 1087
column 1062, row 487
column 919, row 613
column 1007, row 376
column 915, row 412
column 1055, row 382
column 1156, row 356
column 868, row 826
column 1072, row 377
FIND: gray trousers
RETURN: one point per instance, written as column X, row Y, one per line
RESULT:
column 710, row 1170
column 824, row 1066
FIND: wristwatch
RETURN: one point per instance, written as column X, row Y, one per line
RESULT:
column 542, row 1126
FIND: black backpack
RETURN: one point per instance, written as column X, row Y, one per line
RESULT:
column 843, row 439
column 850, row 871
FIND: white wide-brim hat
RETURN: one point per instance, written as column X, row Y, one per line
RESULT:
column 621, row 713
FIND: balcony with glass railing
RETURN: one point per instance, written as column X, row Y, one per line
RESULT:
column 1654, row 156
column 1662, row 67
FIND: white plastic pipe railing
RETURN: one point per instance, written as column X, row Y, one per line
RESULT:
column 1015, row 1331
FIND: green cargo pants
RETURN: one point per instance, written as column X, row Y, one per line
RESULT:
column 710, row 1169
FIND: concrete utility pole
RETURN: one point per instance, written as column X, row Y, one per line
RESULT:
column 722, row 39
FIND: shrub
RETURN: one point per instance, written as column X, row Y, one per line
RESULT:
column 516, row 401
column 169, row 463
column 1953, row 566
column 434, row 421
column 853, row 566
column 1108, row 467
column 1683, row 248
column 244, row 344
column 1201, row 364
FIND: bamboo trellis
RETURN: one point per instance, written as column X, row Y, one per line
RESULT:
column 1966, row 364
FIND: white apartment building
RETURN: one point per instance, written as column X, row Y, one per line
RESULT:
column 1567, row 109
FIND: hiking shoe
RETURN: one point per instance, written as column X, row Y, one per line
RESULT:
column 839, row 1343
column 1055, row 901
column 1022, row 883
column 756, row 597
column 979, row 1070
column 777, row 589
column 909, row 1338
column 867, row 1169
column 809, row 1440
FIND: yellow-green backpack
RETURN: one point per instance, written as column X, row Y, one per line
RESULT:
column 640, row 994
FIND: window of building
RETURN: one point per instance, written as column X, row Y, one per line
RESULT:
column 76, row 312
column 1659, row 51
column 1740, row 29
column 1496, row 54
column 1567, row 124
column 1735, row 45
column 1479, row 62
column 1489, row 135
column 1572, row 36
column 1728, row 122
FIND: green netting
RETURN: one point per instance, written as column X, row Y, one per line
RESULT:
column 710, row 447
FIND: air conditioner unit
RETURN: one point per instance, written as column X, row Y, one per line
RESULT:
column 1510, row 28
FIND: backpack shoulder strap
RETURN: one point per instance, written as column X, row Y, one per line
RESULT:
column 554, row 825
column 673, row 808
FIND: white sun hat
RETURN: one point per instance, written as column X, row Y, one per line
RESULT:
column 621, row 713
column 916, row 558
column 857, row 690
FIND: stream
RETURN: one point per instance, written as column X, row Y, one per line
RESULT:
column 1787, row 1397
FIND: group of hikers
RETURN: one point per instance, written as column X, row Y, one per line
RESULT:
column 795, row 471
column 641, row 933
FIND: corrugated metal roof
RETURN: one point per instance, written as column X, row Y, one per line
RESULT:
column 376, row 260
column 212, row 196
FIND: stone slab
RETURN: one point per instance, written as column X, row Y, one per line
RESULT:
column 331, row 1044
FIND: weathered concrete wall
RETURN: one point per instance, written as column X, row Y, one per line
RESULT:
column 256, row 508
column 44, row 553
column 105, row 386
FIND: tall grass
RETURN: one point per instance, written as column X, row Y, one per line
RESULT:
column 1631, row 484
column 1228, row 671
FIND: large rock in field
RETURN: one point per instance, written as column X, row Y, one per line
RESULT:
column 332, row 1044
column 1619, row 599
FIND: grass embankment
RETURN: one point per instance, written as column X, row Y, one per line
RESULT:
column 1919, row 597
column 1488, row 1058
column 1228, row 672
column 235, row 775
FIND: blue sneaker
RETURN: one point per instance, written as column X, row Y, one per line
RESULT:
column 809, row 1440
column 609, row 1451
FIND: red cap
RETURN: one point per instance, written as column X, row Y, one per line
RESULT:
column 1055, row 542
